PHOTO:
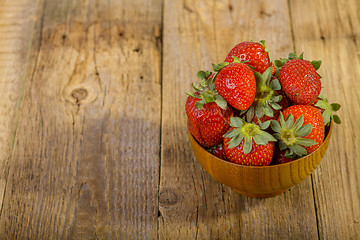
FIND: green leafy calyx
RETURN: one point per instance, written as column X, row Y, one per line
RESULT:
column 247, row 132
column 279, row 63
column 218, row 67
column 266, row 98
column 290, row 135
column 206, row 91
column 328, row 110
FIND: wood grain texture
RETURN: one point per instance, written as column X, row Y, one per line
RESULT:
column 196, row 34
column 16, row 32
column 333, row 35
column 86, row 154
column 93, row 127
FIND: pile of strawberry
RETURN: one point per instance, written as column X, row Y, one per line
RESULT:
column 253, row 112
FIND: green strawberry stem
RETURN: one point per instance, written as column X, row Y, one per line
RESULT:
column 247, row 132
column 266, row 98
column 203, row 74
column 218, row 67
column 291, row 135
column 206, row 91
column 328, row 110
column 279, row 63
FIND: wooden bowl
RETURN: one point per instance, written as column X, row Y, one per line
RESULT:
column 260, row 181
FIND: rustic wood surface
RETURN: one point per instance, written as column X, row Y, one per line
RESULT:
column 93, row 127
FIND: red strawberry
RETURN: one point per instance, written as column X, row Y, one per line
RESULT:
column 236, row 84
column 247, row 144
column 280, row 157
column 208, row 124
column 218, row 151
column 273, row 69
column 300, row 128
column 256, row 55
column 207, row 112
column 300, row 81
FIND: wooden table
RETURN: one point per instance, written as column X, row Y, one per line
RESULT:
column 93, row 128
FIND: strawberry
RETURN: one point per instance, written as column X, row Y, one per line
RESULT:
column 207, row 124
column 300, row 129
column 247, row 144
column 279, row 157
column 299, row 80
column 207, row 112
column 236, row 83
column 269, row 99
column 327, row 109
column 218, row 151
column 255, row 54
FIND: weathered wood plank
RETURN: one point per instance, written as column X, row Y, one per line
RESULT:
column 333, row 35
column 86, row 154
column 16, row 32
column 196, row 34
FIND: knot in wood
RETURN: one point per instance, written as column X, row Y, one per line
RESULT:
column 79, row 94
column 168, row 198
